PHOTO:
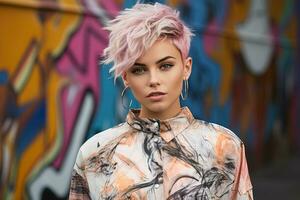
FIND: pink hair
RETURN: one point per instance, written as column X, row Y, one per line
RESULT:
column 134, row 30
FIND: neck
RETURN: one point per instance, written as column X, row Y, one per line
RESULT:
column 168, row 113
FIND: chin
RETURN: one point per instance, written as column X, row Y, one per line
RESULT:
column 158, row 108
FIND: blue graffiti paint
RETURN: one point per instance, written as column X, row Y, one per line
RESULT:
column 205, row 75
column 105, row 114
column 36, row 122
column 3, row 77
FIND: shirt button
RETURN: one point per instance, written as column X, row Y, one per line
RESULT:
column 160, row 179
column 156, row 186
column 155, row 124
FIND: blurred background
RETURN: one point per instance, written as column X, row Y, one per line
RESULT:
column 54, row 94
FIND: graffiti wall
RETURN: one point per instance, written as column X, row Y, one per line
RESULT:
column 54, row 94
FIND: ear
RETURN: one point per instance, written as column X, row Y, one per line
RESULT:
column 187, row 68
column 125, row 80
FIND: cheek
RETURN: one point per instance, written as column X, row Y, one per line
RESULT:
column 137, row 88
column 176, row 83
column 137, row 92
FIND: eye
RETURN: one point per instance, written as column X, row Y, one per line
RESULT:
column 166, row 66
column 137, row 70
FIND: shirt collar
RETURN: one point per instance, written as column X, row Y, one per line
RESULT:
column 167, row 129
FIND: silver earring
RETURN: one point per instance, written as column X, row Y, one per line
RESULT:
column 122, row 97
column 184, row 94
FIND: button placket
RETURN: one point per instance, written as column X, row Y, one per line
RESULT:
column 157, row 139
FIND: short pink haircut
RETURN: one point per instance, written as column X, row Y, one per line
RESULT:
column 134, row 30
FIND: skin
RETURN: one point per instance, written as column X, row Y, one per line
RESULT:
column 160, row 69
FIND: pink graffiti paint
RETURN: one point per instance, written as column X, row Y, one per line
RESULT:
column 210, row 38
column 79, row 62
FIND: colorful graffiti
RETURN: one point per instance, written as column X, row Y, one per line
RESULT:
column 54, row 94
column 50, row 89
column 247, row 51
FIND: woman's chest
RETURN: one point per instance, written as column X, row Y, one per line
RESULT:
column 157, row 171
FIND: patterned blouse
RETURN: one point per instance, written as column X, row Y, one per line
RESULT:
column 174, row 159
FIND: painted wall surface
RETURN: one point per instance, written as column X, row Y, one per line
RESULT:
column 54, row 94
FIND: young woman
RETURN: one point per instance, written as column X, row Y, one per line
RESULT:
column 161, row 151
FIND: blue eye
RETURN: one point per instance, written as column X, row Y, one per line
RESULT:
column 166, row 66
column 138, row 70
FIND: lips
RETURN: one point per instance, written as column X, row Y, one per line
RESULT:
column 156, row 96
column 153, row 94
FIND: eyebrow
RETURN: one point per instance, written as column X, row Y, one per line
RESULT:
column 157, row 62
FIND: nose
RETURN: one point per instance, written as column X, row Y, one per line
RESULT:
column 154, row 78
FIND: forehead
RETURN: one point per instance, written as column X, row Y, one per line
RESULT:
column 160, row 49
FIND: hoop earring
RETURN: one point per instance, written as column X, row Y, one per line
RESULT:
column 122, row 97
column 185, row 90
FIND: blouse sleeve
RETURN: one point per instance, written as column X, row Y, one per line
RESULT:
column 242, row 185
column 79, row 187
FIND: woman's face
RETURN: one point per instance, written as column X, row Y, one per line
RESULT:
column 156, row 80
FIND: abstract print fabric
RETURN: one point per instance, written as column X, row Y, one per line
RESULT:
column 179, row 158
